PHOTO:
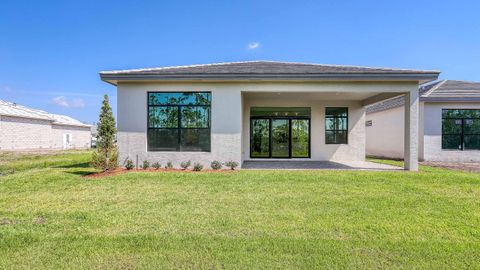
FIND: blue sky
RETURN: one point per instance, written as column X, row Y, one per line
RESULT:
column 51, row 51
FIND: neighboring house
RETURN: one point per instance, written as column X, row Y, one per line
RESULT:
column 23, row 128
column 258, row 110
column 449, row 123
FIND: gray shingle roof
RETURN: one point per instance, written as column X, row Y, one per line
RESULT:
column 450, row 89
column 440, row 91
column 261, row 69
column 15, row 110
column 386, row 105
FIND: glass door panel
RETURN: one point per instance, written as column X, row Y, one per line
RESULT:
column 300, row 138
column 280, row 138
column 260, row 138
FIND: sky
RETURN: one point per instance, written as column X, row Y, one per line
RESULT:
column 51, row 51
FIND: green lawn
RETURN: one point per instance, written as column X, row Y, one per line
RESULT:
column 53, row 218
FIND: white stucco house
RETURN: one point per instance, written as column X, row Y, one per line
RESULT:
column 449, row 118
column 23, row 128
column 257, row 110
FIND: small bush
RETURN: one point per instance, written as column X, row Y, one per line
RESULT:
column 231, row 164
column 105, row 160
column 146, row 164
column 156, row 165
column 216, row 165
column 129, row 165
column 197, row 167
column 169, row 165
column 185, row 164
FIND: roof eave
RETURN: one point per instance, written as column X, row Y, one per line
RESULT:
column 420, row 77
column 450, row 99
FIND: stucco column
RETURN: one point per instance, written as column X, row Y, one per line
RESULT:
column 411, row 130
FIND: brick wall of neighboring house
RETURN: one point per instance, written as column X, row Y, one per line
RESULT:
column 81, row 136
column 18, row 133
column 23, row 133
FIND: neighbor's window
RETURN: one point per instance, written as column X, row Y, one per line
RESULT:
column 179, row 121
column 461, row 129
column 336, row 125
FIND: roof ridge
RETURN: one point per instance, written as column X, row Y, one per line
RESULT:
column 24, row 108
column 257, row 61
column 463, row 81
column 426, row 94
column 180, row 66
column 40, row 114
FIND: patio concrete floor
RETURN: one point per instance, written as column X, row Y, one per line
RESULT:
column 317, row 165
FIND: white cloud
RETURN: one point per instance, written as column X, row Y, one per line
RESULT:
column 253, row 45
column 62, row 101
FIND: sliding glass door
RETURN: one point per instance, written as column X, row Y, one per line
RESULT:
column 300, row 138
column 280, row 135
column 272, row 137
column 260, row 139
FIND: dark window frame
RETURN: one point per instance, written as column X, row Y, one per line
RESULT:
column 336, row 130
column 462, row 133
column 270, row 119
column 179, row 127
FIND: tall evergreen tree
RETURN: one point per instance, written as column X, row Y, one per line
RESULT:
column 105, row 157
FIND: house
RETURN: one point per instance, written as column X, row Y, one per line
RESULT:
column 449, row 118
column 23, row 128
column 257, row 110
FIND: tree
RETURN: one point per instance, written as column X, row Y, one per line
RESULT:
column 105, row 157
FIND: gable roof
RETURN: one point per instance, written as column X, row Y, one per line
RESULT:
column 451, row 90
column 15, row 110
column 439, row 91
column 266, row 70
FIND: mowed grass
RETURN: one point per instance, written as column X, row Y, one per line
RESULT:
column 52, row 218
column 11, row 162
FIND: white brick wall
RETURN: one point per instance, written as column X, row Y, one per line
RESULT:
column 81, row 136
column 23, row 133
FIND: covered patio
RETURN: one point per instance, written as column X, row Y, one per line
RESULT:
column 318, row 123
column 318, row 165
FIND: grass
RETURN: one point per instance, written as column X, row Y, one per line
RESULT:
column 53, row 218
column 11, row 162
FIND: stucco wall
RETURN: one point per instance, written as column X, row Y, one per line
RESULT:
column 433, row 134
column 354, row 150
column 225, row 124
column 227, row 115
column 385, row 138
column 30, row 134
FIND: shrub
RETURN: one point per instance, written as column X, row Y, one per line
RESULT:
column 146, row 164
column 169, row 165
column 231, row 164
column 197, row 167
column 156, row 165
column 129, row 165
column 105, row 160
column 185, row 164
column 216, row 165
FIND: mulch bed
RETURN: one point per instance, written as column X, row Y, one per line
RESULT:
column 123, row 170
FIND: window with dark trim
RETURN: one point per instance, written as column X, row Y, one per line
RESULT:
column 460, row 129
column 179, row 121
column 336, row 125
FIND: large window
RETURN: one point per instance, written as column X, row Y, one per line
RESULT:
column 179, row 121
column 336, row 125
column 461, row 129
column 280, row 132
